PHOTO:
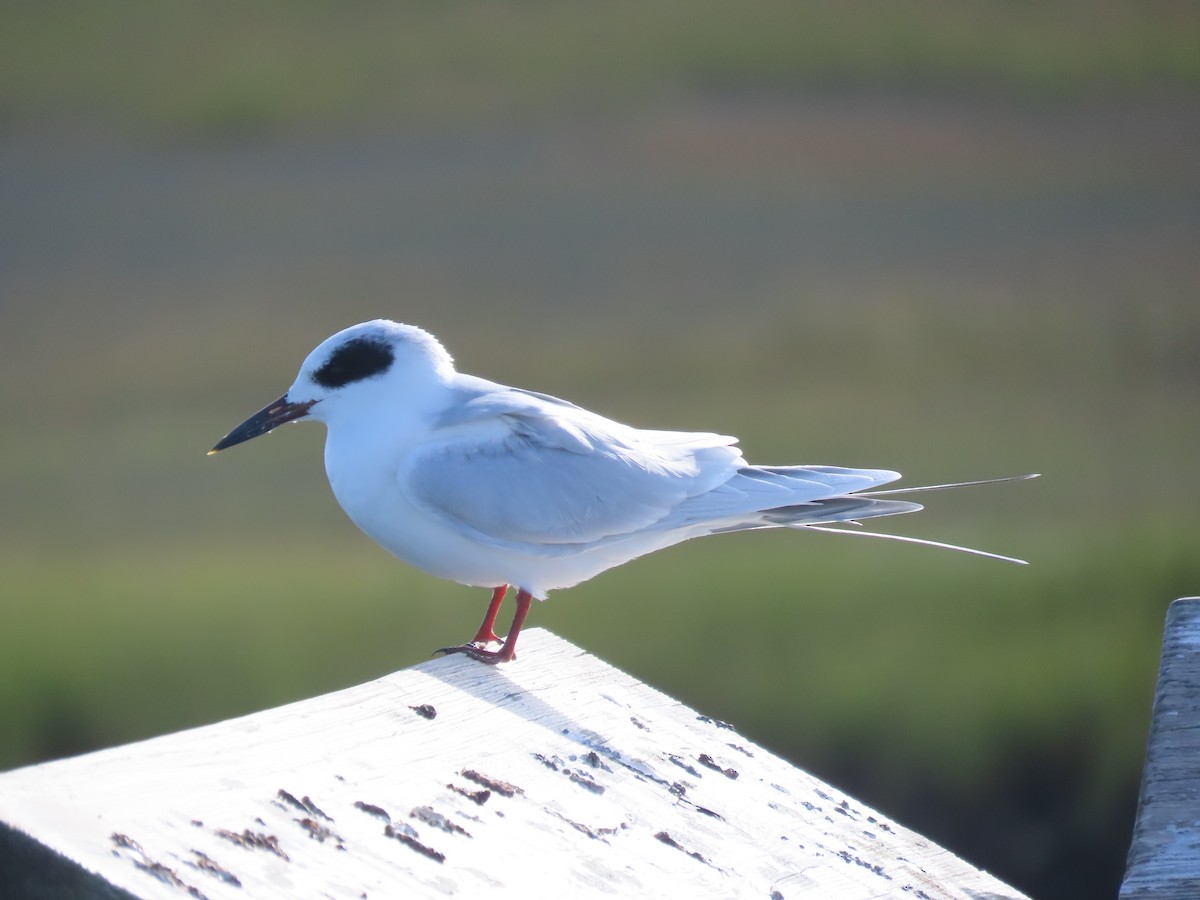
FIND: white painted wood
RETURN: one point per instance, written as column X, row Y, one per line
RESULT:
column 553, row 776
column 1164, row 857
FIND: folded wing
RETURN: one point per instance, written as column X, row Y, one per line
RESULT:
column 513, row 468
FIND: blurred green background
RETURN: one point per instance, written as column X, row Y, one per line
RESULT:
column 957, row 240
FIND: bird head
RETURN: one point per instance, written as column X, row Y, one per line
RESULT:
column 357, row 371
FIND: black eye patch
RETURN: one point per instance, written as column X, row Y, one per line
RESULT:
column 353, row 361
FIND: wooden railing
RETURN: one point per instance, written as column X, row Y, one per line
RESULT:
column 555, row 776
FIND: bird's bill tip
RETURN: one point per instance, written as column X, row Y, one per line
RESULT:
column 266, row 419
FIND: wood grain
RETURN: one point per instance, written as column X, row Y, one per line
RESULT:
column 554, row 776
column 1164, row 856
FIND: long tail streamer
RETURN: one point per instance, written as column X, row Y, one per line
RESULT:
column 833, row 529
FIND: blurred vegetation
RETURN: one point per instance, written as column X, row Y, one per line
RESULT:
column 960, row 244
column 232, row 66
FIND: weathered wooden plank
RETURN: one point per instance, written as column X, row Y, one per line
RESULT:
column 1164, row 856
column 555, row 776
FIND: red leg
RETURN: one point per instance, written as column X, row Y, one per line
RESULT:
column 508, row 651
column 486, row 633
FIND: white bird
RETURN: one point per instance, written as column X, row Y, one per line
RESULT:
column 493, row 486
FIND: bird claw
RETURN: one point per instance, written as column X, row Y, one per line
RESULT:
column 477, row 647
column 490, row 657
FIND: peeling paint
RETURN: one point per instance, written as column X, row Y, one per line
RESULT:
column 251, row 840
column 686, row 766
column 592, row 758
column 305, row 805
column 586, row 781
column 708, row 762
column 671, row 842
column 321, row 833
column 410, row 841
column 504, row 788
column 477, row 797
column 153, row 868
column 372, row 810
column 206, row 863
column 596, row 834
column 430, row 816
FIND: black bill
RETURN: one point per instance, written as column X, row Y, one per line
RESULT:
column 266, row 419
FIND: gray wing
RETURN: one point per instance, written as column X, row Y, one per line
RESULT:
column 515, row 468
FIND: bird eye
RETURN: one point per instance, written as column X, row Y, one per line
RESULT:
column 353, row 361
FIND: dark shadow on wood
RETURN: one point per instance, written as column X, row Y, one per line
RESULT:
column 31, row 871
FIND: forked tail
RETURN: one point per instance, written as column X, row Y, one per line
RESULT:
column 835, row 529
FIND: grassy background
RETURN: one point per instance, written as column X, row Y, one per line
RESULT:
column 959, row 245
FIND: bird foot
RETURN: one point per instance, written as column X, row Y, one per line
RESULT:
column 490, row 657
column 477, row 648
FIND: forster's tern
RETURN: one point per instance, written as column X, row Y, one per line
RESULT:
column 493, row 486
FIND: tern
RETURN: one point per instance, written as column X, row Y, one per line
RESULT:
column 495, row 486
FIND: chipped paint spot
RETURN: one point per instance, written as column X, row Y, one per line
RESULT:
column 504, row 788
column 153, row 868
column 126, row 842
column 847, row 856
column 596, row 834
column 206, row 863
column 686, row 766
column 592, row 758
column 430, row 816
column 305, row 805
column 584, row 780
column 671, row 842
column 551, row 763
column 320, row 833
column 641, row 770
column 251, row 840
column 410, row 841
column 401, row 828
column 477, row 797
column 167, row 875
column 708, row 762
column 372, row 810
